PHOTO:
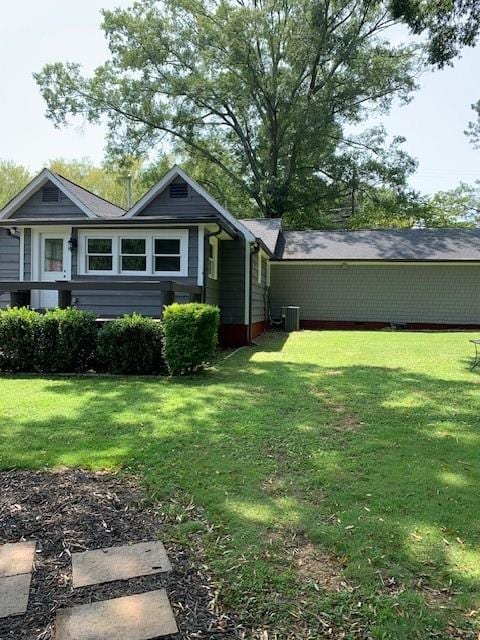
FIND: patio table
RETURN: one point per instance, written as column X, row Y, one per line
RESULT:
column 476, row 360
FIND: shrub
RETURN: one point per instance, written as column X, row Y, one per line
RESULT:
column 67, row 341
column 190, row 336
column 19, row 334
column 132, row 344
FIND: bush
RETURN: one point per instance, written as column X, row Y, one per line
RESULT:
column 67, row 341
column 132, row 344
column 19, row 335
column 190, row 336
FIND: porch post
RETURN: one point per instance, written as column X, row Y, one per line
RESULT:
column 20, row 298
column 64, row 298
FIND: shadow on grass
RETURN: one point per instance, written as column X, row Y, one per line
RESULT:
column 378, row 465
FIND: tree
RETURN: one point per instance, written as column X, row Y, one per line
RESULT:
column 13, row 177
column 385, row 208
column 449, row 25
column 108, row 180
column 260, row 91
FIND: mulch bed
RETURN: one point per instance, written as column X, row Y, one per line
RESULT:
column 73, row 510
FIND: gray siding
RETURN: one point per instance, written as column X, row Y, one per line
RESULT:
column 9, row 261
column 259, row 291
column 27, row 256
column 112, row 303
column 384, row 293
column 194, row 205
column 232, row 281
column 117, row 303
column 35, row 208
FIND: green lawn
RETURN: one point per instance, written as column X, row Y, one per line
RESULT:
column 340, row 471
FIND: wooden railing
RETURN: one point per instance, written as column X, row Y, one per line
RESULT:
column 20, row 291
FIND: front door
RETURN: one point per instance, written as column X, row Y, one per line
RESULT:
column 54, row 265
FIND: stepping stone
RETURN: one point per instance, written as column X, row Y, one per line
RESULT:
column 119, row 563
column 140, row 617
column 16, row 558
column 14, row 594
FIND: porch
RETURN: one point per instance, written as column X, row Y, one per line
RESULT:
column 165, row 292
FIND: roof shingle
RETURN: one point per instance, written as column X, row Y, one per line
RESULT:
column 407, row 244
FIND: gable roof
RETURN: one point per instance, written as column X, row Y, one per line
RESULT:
column 162, row 184
column 92, row 205
column 395, row 245
column 266, row 229
column 101, row 207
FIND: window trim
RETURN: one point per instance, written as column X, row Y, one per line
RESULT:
column 126, row 234
column 121, row 255
column 212, row 271
column 86, row 255
column 259, row 267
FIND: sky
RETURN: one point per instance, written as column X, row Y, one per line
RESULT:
column 34, row 33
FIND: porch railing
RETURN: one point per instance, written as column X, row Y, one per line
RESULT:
column 20, row 291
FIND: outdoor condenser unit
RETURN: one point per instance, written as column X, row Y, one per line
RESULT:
column 291, row 317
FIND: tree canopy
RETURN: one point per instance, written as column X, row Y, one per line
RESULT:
column 266, row 92
column 448, row 25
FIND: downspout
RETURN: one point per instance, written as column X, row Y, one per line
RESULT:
column 254, row 249
column 210, row 234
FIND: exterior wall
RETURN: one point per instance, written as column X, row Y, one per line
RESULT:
column 430, row 293
column 117, row 303
column 35, row 208
column 259, row 291
column 163, row 205
column 231, row 265
column 9, row 261
column 27, row 254
column 111, row 303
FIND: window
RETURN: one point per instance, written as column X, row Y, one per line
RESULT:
column 178, row 190
column 259, row 267
column 213, row 258
column 50, row 194
column 99, row 254
column 53, row 260
column 167, row 254
column 133, row 254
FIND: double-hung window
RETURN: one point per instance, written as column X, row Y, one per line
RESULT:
column 99, row 255
column 167, row 255
column 133, row 255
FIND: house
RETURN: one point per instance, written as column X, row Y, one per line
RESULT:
column 62, row 245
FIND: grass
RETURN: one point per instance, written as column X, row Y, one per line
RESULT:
column 338, row 472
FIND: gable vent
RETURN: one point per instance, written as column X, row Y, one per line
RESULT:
column 178, row 190
column 50, row 194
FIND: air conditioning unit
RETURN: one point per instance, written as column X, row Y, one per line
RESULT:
column 291, row 318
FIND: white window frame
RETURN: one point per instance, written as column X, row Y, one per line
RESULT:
column 130, row 272
column 213, row 262
column 117, row 235
column 173, row 234
column 88, row 271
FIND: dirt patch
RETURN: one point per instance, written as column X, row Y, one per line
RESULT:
column 312, row 563
column 343, row 419
column 320, row 567
column 74, row 510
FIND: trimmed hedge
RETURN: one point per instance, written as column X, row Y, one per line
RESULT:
column 19, row 335
column 190, row 336
column 61, row 341
column 67, row 341
column 132, row 344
